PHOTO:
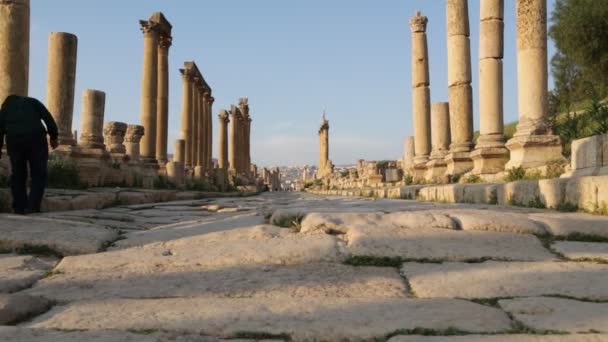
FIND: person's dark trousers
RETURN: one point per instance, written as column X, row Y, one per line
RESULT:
column 27, row 152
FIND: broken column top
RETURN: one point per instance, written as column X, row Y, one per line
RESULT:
column 418, row 23
column 134, row 133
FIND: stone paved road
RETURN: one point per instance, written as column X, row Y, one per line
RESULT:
column 293, row 266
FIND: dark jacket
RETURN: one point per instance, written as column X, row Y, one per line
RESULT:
column 21, row 119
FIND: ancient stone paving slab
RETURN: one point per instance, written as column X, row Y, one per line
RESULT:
column 564, row 224
column 17, row 307
column 20, row 334
column 302, row 318
column 497, row 221
column 422, row 236
column 18, row 272
column 65, row 237
column 508, row 279
column 444, row 244
column 238, row 247
column 558, row 314
column 582, row 250
column 183, row 229
column 504, row 338
column 315, row 280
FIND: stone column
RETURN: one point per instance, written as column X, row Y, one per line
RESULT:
column 440, row 121
column 61, row 81
column 233, row 145
column 186, row 118
column 114, row 137
column 204, row 130
column 162, row 99
column 203, row 127
column 14, row 47
column 244, row 108
column 534, row 143
column 179, row 151
column 175, row 169
column 460, row 91
column 490, row 154
column 323, row 147
column 210, row 133
column 132, row 139
column 222, row 155
column 91, row 129
column 421, row 95
column 248, row 143
column 149, row 91
column 409, row 154
column 196, row 141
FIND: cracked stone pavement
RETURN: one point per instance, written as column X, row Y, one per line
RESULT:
column 301, row 267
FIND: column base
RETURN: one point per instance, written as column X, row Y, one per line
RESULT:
column 489, row 160
column 419, row 172
column 67, row 151
column 458, row 163
column 199, row 172
column 176, row 173
column 435, row 172
column 533, row 151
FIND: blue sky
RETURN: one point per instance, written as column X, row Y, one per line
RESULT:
column 291, row 58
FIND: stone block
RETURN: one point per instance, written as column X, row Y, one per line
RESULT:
column 393, row 175
column 552, row 191
column 588, row 193
column 533, row 151
column 459, row 60
column 518, row 193
column 490, row 46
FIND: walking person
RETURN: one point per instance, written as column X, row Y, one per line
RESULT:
column 26, row 143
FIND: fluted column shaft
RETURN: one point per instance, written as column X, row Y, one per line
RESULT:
column 61, row 82
column 15, row 47
column 149, row 91
column 162, row 100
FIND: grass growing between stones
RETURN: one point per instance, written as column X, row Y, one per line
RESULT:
column 252, row 335
column 37, row 250
column 425, row 332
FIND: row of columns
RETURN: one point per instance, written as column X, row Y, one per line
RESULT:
column 444, row 131
column 196, row 123
column 239, row 149
column 155, row 88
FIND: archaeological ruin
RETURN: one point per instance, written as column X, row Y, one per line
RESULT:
column 467, row 237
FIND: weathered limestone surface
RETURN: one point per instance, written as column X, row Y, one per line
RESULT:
column 315, row 280
column 17, row 307
column 490, row 154
column 237, row 247
column 61, row 83
column 18, row 272
column 14, row 47
column 493, row 279
column 93, row 110
column 582, row 250
column 440, row 123
column 534, row 143
column 503, row 338
column 421, row 98
column 312, row 281
column 368, row 235
column 332, row 318
column 589, row 157
column 149, row 93
column 558, row 314
column 459, row 84
column 64, row 237
column 20, row 334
